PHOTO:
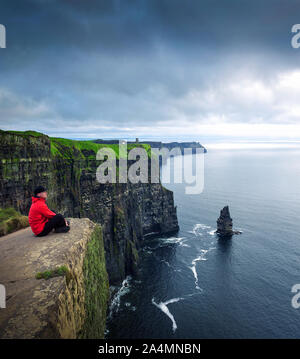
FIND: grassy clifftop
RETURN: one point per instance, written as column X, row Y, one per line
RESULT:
column 64, row 148
column 30, row 144
column 23, row 133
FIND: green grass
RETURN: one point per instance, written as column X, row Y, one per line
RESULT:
column 96, row 287
column 68, row 149
column 62, row 147
column 25, row 133
column 51, row 273
column 7, row 213
column 11, row 221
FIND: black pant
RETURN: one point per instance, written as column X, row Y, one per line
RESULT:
column 54, row 222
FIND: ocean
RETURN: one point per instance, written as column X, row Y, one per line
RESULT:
column 194, row 285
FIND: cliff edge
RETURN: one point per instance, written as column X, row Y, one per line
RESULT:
column 72, row 303
column 126, row 212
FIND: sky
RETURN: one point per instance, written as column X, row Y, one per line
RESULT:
column 205, row 70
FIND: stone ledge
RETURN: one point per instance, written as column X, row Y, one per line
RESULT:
column 53, row 308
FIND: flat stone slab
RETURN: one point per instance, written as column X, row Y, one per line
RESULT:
column 30, row 302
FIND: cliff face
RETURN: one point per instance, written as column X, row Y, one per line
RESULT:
column 72, row 305
column 127, row 212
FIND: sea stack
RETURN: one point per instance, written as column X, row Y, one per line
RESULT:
column 224, row 222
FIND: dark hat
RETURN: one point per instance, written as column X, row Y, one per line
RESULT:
column 39, row 189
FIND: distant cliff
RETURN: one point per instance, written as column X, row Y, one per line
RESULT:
column 72, row 302
column 159, row 144
column 127, row 212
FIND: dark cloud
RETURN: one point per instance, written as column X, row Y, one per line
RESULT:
column 142, row 63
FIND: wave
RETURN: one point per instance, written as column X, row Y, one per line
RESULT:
column 163, row 242
column 178, row 240
column 116, row 301
column 130, row 306
column 166, row 262
column 183, row 244
column 201, row 257
column 193, row 267
column 163, row 307
column 172, row 240
column 147, row 250
column 198, row 228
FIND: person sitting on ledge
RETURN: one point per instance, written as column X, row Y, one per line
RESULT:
column 42, row 221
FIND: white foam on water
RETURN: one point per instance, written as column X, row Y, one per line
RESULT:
column 172, row 240
column 214, row 232
column 166, row 262
column 163, row 307
column 183, row 244
column 201, row 257
column 173, row 300
column 192, row 294
column 147, row 250
column 116, row 301
column 204, row 226
column 180, row 240
column 193, row 268
column 198, row 228
column 164, row 242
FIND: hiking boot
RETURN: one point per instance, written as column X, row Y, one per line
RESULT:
column 64, row 229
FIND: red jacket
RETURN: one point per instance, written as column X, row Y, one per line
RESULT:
column 39, row 214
